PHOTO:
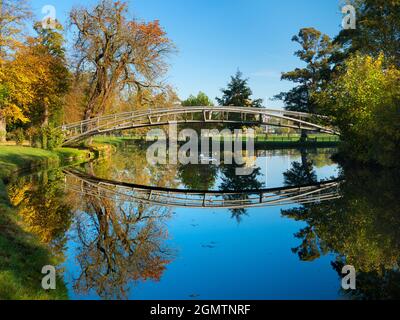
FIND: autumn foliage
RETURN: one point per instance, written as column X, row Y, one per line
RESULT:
column 116, row 62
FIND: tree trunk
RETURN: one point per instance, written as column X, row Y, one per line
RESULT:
column 46, row 116
column 3, row 129
column 304, row 135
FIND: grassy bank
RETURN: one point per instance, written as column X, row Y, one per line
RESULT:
column 14, row 159
column 22, row 255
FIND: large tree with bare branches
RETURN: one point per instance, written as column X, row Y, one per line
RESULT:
column 13, row 15
column 116, row 53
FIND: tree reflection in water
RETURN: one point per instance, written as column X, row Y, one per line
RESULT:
column 45, row 211
column 119, row 243
column 198, row 176
column 362, row 228
column 231, row 181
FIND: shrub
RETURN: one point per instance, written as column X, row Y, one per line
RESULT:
column 33, row 134
column 55, row 138
column 18, row 136
column 52, row 138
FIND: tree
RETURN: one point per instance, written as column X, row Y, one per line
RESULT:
column 13, row 15
column 18, row 80
column 238, row 93
column 54, row 83
column 316, row 51
column 150, row 98
column 363, row 102
column 200, row 100
column 35, row 81
column 378, row 30
column 117, row 53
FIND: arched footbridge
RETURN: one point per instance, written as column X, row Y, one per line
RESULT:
column 79, row 131
column 87, row 185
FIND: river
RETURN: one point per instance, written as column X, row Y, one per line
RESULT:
column 113, row 247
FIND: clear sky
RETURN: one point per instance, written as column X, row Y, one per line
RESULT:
column 216, row 37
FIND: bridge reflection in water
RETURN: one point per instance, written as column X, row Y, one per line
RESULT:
column 84, row 184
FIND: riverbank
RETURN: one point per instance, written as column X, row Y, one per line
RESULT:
column 15, row 159
column 22, row 255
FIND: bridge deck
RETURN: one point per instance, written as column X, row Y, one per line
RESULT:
column 78, row 131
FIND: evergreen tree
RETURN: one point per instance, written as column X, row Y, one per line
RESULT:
column 231, row 181
column 316, row 51
column 238, row 94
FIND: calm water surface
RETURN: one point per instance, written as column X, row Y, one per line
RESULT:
column 112, row 248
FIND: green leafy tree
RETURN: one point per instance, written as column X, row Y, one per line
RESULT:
column 55, row 82
column 200, row 100
column 364, row 103
column 377, row 31
column 238, row 94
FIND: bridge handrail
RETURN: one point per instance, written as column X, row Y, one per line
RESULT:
column 190, row 109
column 152, row 117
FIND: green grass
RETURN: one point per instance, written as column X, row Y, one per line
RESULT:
column 16, row 158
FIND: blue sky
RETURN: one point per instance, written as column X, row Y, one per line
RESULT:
column 216, row 37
